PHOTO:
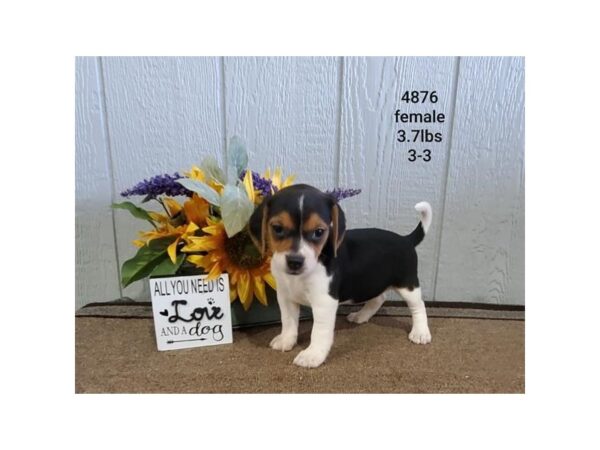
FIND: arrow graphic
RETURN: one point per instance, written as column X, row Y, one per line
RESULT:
column 186, row 340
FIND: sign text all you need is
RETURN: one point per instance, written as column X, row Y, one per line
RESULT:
column 191, row 311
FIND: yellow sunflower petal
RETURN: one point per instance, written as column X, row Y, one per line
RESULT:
column 200, row 244
column 213, row 229
column 158, row 217
column 191, row 228
column 234, row 276
column 150, row 236
column 196, row 210
column 216, row 186
column 288, row 181
column 245, row 290
column 268, row 277
column 172, row 205
column 249, row 185
column 215, row 271
column 172, row 250
column 259, row 290
column 277, row 178
column 216, row 256
column 197, row 260
column 195, row 173
column 139, row 243
column 267, row 174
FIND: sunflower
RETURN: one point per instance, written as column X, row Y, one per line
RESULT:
column 177, row 225
column 248, row 270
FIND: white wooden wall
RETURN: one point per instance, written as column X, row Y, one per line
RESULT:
column 330, row 121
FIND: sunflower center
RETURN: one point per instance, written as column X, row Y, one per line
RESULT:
column 242, row 251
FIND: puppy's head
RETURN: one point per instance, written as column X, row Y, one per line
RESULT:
column 297, row 224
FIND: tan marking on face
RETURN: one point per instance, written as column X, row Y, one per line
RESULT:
column 284, row 219
column 280, row 245
column 314, row 222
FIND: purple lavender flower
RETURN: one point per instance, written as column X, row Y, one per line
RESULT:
column 264, row 186
column 159, row 185
column 340, row 194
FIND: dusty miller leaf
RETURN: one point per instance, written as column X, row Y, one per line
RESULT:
column 236, row 209
column 202, row 189
column 237, row 159
column 211, row 168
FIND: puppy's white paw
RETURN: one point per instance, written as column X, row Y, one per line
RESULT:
column 283, row 343
column 420, row 335
column 357, row 317
column 310, row 358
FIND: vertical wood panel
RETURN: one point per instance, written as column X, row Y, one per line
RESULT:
column 164, row 114
column 286, row 109
column 96, row 272
column 372, row 160
column 482, row 248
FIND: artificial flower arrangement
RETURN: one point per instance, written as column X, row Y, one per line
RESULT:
column 208, row 231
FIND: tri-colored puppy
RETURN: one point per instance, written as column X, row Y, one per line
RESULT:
column 317, row 263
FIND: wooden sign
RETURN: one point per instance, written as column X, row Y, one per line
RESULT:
column 191, row 311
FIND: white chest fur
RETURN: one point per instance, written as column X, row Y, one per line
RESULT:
column 303, row 289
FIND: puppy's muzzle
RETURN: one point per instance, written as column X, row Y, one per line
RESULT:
column 295, row 262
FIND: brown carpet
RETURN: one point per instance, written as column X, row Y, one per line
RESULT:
column 466, row 355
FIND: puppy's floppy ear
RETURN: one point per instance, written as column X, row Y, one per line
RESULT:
column 258, row 226
column 338, row 219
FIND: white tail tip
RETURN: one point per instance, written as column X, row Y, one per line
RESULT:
column 424, row 209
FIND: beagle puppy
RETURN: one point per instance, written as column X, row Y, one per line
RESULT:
column 318, row 263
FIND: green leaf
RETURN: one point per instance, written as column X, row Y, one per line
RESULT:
column 236, row 209
column 142, row 264
column 161, row 244
column 202, row 189
column 211, row 168
column 136, row 211
column 237, row 159
column 167, row 267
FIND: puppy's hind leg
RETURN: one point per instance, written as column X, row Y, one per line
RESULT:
column 367, row 311
column 420, row 330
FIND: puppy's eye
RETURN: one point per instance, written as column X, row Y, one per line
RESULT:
column 318, row 233
column 278, row 230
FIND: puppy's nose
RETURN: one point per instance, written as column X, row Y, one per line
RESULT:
column 294, row 262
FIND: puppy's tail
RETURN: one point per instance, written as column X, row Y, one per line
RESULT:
column 419, row 233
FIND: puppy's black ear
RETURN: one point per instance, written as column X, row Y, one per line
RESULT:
column 258, row 226
column 338, row 219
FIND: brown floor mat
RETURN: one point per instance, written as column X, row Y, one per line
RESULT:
column 466, row 355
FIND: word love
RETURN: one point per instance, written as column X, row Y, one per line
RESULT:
column 186, row 286
column 197, row 314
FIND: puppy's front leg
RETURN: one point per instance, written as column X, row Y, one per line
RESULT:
column 321, row 337
column 290, row 313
